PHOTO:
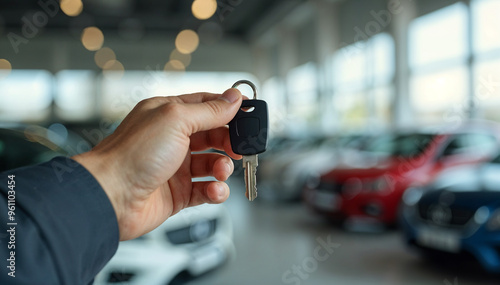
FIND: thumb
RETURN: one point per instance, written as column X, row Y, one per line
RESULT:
column 214, row 113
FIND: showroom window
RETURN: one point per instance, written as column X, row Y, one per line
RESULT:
column 302, row 90
column 75, row 94
column 486, row 25
column 26, row 95
column 121, row 94
column 274, row 94
column 438, row 55
column 363, row 83
column 486, row 68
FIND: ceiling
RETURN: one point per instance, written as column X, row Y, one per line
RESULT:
column 236, row 18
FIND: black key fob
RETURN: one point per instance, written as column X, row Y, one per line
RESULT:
column 248, row 129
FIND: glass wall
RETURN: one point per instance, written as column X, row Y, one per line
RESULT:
column 362, row 82
column 302, row 91
column 74, row 94
column 26, row 95
column 438, row 56
column 273, row 92
column 450, row 49
column 81, row 95
column 486, row 27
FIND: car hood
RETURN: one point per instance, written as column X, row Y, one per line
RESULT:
column 367, row 167
column 478, row 178
column 472, row 186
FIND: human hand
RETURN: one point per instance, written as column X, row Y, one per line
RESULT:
column 146, row 166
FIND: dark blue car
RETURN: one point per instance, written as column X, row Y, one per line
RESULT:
column 458, row 213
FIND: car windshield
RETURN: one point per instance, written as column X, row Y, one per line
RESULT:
column 406, row 145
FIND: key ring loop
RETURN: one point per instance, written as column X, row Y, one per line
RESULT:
column 249, row 83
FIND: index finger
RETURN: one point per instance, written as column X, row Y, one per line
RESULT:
column 201, row 97
column 215, row 138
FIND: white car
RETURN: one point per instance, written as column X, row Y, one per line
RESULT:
column 283, row 175
column 190, row 243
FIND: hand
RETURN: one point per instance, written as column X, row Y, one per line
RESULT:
column 145, row 167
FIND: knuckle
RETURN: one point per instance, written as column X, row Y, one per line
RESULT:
column 154, row 102
column 172, row 109
column 214, row 108
column 142, row 104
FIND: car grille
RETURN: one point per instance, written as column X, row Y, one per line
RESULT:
column 196, row 232
column 451, row 216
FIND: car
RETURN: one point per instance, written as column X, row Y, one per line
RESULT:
column 271, row 181
column 368, row 190
column 23, row 144
column 189, row 244
column 284, row 174
column 458, row 214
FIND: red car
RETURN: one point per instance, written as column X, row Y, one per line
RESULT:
column 369, row 190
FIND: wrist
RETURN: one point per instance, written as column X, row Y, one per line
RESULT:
column 103, row 170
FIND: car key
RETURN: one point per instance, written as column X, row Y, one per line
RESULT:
column 248, row 135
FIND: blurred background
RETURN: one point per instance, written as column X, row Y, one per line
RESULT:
column 382, row 161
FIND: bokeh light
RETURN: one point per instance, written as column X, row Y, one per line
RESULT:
column 204, row 9
column 92, row 38
column 5, row 68
column 184, row 58
column 71, row 8
column 174, row 65
column 187, row 41
column 114, row 69
column 57, row 133
column 104, row 55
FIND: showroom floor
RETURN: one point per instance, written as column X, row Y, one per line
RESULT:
column 285, row 244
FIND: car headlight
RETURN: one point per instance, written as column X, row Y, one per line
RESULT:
column 482, row 215
column 413, row 195
column 352, row 187
column 494, row 221
column 381, row 184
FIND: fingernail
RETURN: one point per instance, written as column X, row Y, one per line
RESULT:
column 231, row 95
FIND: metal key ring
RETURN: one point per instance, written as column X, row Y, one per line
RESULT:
column 249, row 83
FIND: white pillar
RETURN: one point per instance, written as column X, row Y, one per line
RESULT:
column 402, row 113
column 327, row 39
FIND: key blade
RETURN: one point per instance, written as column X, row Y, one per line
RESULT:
column 250, row 164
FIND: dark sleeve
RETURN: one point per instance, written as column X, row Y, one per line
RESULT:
column 64, row 229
